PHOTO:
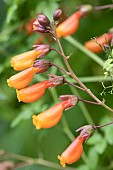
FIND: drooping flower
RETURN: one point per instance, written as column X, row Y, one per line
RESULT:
column 75, row 149
column 22, row 79
column 36, row 91
column 26, row 60
column 72, row 153
column 69, row 26
column 52, row 116
column 98, row 44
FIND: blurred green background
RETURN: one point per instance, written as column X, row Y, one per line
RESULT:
column 17, row 133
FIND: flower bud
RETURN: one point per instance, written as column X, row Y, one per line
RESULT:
column 39, row 28
column 72, row 153
column 52, row 116
column 43, row 64
column 43, row 20
column 44, row 49
column 57, row 15
column 22, row 79
column 98, row 44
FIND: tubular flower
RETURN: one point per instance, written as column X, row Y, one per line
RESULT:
column 22, row 79
column 72, row 153
column 26, row 60
column 52, row 116
column 75, row 149
column 69, row 26
column 34, row 92
column 97, row 46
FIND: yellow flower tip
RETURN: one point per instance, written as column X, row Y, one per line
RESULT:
column 18, row 96
column 36, row 122
column 62, row 162
column 9, row 83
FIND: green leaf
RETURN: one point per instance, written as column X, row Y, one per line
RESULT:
column 93, row 158
column 82, row 167
column 96, row 138
column 108, row 130
column 47, row 8
column 27, row 112
column 3, row 96
column 101, row 146
column 11, row 13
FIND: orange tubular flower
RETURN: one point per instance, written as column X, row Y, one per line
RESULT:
column 22, row 79
column 52, row 116
column 73, row 152
column 69, row 26
column 26, row 60
column 34, row 92
column 94, row 46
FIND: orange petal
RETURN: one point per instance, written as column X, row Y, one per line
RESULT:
column 94, row 47
column 22, row 79
column 25, row 60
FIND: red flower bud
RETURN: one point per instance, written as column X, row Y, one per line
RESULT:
column 52, row 116
column 43, row 20
column 73, row 152
column 39, row 28
column 69, row 26
column 57, row 15
column 22, row 79
column 94, row 46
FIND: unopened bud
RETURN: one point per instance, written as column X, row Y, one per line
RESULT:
column 43, row 48
column 43, row 64
column 57, row 15
column 39, row 28
column 43, row 20
column 56, row 80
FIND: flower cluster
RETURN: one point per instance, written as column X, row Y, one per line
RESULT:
column 28, row 65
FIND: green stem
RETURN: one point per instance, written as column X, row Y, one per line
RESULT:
column 90, row 79
column 31, row 161
column 91, row 55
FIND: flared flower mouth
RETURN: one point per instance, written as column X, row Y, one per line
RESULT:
column 62, row 162
column 36, row 122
